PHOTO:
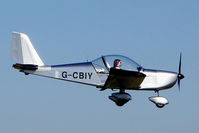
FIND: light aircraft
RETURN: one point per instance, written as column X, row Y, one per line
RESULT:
column 114, row 72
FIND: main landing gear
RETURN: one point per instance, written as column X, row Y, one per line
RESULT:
column 120, row 98
column 159, row 101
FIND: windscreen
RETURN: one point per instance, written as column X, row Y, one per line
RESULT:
column 104, row 63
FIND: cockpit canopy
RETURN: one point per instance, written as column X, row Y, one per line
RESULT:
column 104, row 63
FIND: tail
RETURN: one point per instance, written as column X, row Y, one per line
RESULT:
column 23, row 52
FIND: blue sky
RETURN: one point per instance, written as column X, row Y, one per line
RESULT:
column 153, row 33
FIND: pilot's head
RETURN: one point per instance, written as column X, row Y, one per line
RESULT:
column 117, row 63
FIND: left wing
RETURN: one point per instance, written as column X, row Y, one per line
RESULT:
column 123, row 79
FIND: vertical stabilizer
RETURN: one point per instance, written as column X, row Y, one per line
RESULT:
column 23, row 52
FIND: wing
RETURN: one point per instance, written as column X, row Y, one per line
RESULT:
column 123, row 79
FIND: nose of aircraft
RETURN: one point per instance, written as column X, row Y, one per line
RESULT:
column 167, row 79
column 173, row 77
column 180, row 76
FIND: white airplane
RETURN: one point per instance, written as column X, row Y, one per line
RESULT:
column 107, row 72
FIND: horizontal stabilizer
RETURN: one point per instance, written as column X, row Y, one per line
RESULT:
column 25, row 67
column 23, row 52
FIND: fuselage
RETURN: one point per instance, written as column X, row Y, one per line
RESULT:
column 85, row 73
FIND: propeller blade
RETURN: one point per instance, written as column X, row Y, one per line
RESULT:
column 180, row 63
column 179, row 84
column 180, row 76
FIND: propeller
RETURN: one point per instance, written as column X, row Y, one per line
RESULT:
column 180, row 75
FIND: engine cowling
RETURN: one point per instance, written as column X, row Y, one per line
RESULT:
column 120, row 98
column 160, row 102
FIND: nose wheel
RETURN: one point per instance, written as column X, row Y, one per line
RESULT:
column 159, row 101
column 160, row 105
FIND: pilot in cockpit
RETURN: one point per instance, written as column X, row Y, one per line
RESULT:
column 117, row 64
